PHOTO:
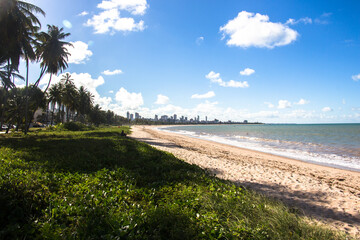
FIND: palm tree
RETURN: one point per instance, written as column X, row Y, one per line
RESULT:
column 85, row 102
column 69, row 99
column 52, row 52
column 66, row 79
column 55, row 97
column 18, row 24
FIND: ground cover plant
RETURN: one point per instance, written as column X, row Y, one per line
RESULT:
column 99, row 185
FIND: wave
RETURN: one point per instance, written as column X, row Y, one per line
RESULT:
column 304, row 151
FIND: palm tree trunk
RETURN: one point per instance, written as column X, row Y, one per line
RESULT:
column 48, row 83
column 26, row 95
column 52, row 114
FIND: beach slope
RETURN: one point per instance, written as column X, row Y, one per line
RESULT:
column 326, row 194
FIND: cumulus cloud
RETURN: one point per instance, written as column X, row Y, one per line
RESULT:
column 109, row 20
column 209, row 94
column 215, row 78
column 356, row 77
column 114, row 72
column 135, row 7
column 111, row 91
column 129, row 100
column 284, row 104
column 79, row 52
column 269, row 104
column 305, row 20
column 302, row 102
column 255, row 30
column 247, row 72
column 162, row 99
column 67, row 24
column 84, row 13
column 327, row 109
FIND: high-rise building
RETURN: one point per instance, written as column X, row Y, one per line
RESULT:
column 128, row 115
column 156, row 117
column 137, row 115
column 206, row 119
column 131, row 116
column 175, row 117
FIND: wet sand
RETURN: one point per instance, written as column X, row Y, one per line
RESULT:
column 326, row 194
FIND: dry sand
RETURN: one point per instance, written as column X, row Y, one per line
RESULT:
column 326, row 194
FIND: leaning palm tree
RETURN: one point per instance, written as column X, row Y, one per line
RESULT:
column 18, row 24
column 52, row 51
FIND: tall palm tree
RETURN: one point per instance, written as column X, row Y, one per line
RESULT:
column 52, row 51
column 69, row 99
column 55, row 97
column 18, row 24
column 85, row 102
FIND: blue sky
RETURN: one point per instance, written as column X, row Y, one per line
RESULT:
column 269, row 61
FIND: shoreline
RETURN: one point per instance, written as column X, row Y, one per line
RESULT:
column 272, row 153
column 327, row 194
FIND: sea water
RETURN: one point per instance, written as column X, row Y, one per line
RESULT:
column 335, row 145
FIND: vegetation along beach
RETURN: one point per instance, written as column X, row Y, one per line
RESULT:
column 142, row 119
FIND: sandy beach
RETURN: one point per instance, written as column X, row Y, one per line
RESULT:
column 325, row 194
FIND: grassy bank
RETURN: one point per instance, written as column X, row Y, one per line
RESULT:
column 96, row 184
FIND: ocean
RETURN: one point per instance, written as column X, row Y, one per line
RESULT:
column 335, row 145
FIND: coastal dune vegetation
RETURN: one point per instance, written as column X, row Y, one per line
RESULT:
column 97, row 184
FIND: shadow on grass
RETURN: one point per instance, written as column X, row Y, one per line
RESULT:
column 147, row 165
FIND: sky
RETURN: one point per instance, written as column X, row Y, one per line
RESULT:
column 280, row 61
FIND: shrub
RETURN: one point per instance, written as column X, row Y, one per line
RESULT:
column 76, row 126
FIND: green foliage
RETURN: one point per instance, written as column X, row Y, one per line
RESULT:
column 99, row 185
column 76, row 126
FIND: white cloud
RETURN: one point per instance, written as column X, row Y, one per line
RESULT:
column 215, row 78
column 111, row 91
column 344, row 101
column 109, row 19
column 115, row 72
column 323, row 19
column 135, row 7
column 255, row 30
column 269, row 104
column 79, row 52
column 202, row 96
column 162, row 99
column 67, row 24
column 129, row 100
column 327, row 109
column 247, row 72
column 84, row 13
column 305, row 20
column 302, row 102
column 356, row 77
column 284, row 104
column 199, row 40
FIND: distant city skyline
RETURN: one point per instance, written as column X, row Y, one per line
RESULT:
column 174, row 119
column 275, row 62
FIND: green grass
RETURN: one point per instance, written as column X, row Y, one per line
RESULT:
column 98, row 185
